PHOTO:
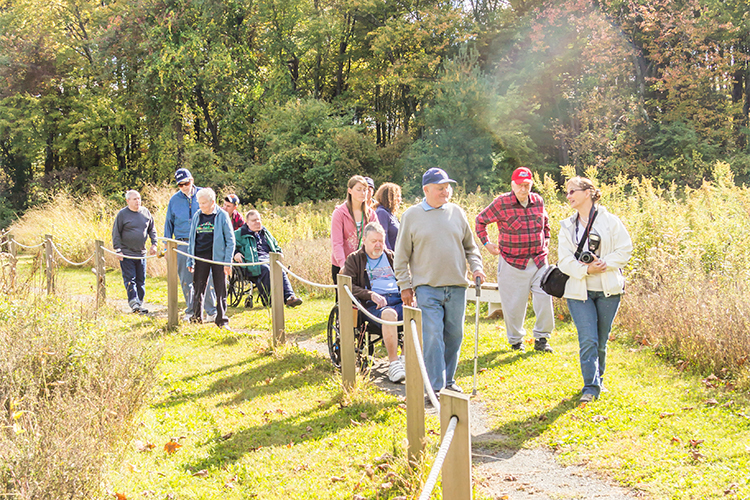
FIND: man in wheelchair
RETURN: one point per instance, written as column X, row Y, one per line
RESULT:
column 374, row 285
column 254, row 244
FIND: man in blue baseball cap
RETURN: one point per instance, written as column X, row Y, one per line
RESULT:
column 180, row 210
column 434, row 243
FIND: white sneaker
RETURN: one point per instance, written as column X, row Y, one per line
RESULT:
column 210, row 318
column 396, row 371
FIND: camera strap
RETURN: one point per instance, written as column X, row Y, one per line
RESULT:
column 585, row 236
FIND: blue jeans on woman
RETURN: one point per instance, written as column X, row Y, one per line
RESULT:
column 593, row 318
column 443, row 310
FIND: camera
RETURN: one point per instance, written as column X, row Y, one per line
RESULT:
column 588, row 256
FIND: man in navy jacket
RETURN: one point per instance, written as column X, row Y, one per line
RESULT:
column 182, row 206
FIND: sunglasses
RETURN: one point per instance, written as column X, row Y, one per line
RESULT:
column 571, row 191
column 183, row 184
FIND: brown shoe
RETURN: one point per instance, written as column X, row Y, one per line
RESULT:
column 293, row 301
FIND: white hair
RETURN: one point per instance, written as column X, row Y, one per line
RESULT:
column 132, row 194
column 206, row 193
column 373, row 226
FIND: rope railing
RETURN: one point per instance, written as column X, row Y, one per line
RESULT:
column 429, row 485
column 303, row 280
column 232, row 264
column 27, row 246
column 423, row 368
column 368, row 313
column 131, row 257
column 59, row 253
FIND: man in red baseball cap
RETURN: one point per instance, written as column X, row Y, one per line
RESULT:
column 523, row 246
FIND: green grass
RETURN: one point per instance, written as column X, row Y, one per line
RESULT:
column 266, row 424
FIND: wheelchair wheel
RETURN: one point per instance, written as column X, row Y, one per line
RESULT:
column 334, row 339
column 363, row 348
column 236, row 288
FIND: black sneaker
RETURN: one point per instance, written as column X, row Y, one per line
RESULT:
column 455, row 388
column 542, row 345
column 518, row 347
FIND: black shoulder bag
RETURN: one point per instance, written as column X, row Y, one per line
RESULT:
column 554, row 280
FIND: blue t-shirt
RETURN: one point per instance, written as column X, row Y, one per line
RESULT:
column 382, row 278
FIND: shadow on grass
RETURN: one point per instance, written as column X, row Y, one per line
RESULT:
column 490, row 360
column 515, row 433
column 311, row 425
column 295, row 370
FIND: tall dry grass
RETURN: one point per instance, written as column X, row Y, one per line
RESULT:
column 70, row 386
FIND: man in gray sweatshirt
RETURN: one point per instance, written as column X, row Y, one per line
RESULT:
column 433, row 245
column 133, row 226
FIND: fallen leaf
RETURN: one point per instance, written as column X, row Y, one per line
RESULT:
column 482, row 370
column 337, row 479
column 172, row 447
column 384, row 466
column 227, row 436
column 309, row 429
column 666, row 414
column 731, row 489
column 161, row 474
column 143, row 446
column 358, row 497
column 370, row 473
column 120, row 496
column 200, row 473
column 280, row 411
column 728, row 403
column 386, row 486
column 697, row 455
column 694, row 443
column 676, row 440
column 688, row 408
column 267, row 380
column 599, row 418
column 711, row 402
column 385, row 457
column 510, row 477
column 132, row 468
column 363, row 416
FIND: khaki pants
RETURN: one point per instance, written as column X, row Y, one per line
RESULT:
column 514, row 286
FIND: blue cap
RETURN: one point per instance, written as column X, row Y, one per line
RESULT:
column 370, row 182
column 182, row 175
column 232, row 198
column 435, row 176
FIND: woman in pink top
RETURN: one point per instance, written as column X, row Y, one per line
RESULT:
column 348, row 223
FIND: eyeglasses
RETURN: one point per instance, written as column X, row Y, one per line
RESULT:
column 571, row 191
column 183, row 184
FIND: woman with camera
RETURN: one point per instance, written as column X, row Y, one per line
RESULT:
column 596, row 280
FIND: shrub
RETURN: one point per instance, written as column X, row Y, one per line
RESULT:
column 70, row 386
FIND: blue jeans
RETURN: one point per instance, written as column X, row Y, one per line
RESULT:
column 134, row 277
column 443, row 311
column 186, row 282
column 263, row 282
column 593, row 318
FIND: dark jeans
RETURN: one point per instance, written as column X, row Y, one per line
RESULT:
column 263, row 282
column 134, row 277
column 200, row 280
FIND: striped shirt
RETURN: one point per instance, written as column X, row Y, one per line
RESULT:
column 523, row 231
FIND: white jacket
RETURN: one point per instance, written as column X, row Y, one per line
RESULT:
column 616, row 248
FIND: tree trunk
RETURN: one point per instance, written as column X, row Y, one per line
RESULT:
column 212, row 129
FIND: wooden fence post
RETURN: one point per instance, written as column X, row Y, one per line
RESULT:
column 101, row 283
column 457, row 466
column 414, row 385
column 49, row 264
column 13, row 251
column 172, row 282
column 277, row 300
column 346, row 332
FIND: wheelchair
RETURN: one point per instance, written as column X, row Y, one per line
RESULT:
column 366, row 335
column 241, row 286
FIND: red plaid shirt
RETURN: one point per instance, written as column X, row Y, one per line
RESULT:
column 524, row 232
